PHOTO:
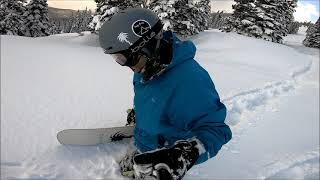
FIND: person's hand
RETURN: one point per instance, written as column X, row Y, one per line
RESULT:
column 131, row 117
column 175, row 161
column 126, row 163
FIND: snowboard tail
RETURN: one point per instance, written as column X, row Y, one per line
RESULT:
column 91, row 137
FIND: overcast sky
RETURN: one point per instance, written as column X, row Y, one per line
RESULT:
column 307, row 10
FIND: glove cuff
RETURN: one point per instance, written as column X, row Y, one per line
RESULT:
column 201, row 148
column 190, row 149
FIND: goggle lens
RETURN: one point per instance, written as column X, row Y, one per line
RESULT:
column 124, row 61
column 120, row 58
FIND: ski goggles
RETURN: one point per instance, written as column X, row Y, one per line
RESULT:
column 129, row 60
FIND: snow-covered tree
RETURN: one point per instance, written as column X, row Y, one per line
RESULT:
column 309, row 25
column 204, row 15
column 289, row 8
column 107, row 8
column 77, row 22
column 70, row 24
column 37, row 24
column 271, row 19
column 243, row 18
column 86, row 18
column 267, row 19
column 80, row 21
column 164, row 10
column 313, row 36
column 293, row 27
column 11, row 20
column 218, row 19
column 182, row 16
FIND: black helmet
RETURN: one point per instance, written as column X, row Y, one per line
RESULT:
column 128, row 32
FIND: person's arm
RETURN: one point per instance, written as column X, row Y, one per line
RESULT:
column 196, row 107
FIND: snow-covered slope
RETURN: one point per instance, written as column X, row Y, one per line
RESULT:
column 65, row 81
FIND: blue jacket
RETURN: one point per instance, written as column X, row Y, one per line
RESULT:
column 181, row 103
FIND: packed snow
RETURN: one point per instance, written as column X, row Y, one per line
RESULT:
column 66, row 81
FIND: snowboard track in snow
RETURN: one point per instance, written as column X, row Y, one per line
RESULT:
column 249, row 100
column 302, row 167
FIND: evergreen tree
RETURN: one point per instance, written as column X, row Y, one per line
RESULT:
column 11, row 20
column 243, row 19
column 204, row 15
column 309, row 26
column 267, row 19
column 165, row 12
column 80, row 21
column 218, row 20
column 289, row 9
column 294, row 27
column 313, row 36
column 107, row 8
column 271, row 19
column 70, row 24
column 86, row 18
column 37, row 19
column 180, row 16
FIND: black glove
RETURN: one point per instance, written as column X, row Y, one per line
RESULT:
column 131, row 117
column 175, row 160
column 126, row 163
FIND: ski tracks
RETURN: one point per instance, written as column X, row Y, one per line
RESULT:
column 305, row 166
column 243, row 105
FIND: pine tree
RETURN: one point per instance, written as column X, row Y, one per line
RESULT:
column 289, row 9
column 267, row 19
column 204, row 15
column 218, row 20
column 272, row 20
column 293, row 27
column 180, row 16
column 86, row 17
column 37, row 19
column 243, row 19
column 80, row 21
column 70, row 23
column 313, row 36
column 165, row 12
column 107, row 8
column 12, row 22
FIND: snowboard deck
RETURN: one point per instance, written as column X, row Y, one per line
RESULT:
column 91, row 137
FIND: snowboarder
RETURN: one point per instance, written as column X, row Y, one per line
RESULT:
column 179, row 119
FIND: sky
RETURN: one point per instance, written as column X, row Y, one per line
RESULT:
column 307, row 10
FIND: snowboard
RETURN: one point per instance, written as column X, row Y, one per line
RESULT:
column 91, row 137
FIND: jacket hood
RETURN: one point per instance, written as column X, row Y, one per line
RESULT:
column 182, row 51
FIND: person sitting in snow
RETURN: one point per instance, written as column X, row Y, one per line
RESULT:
column 179, row 119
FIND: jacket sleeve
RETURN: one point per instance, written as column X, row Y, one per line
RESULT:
column 195, row 107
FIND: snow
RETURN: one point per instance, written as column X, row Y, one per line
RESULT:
column 66, row 81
